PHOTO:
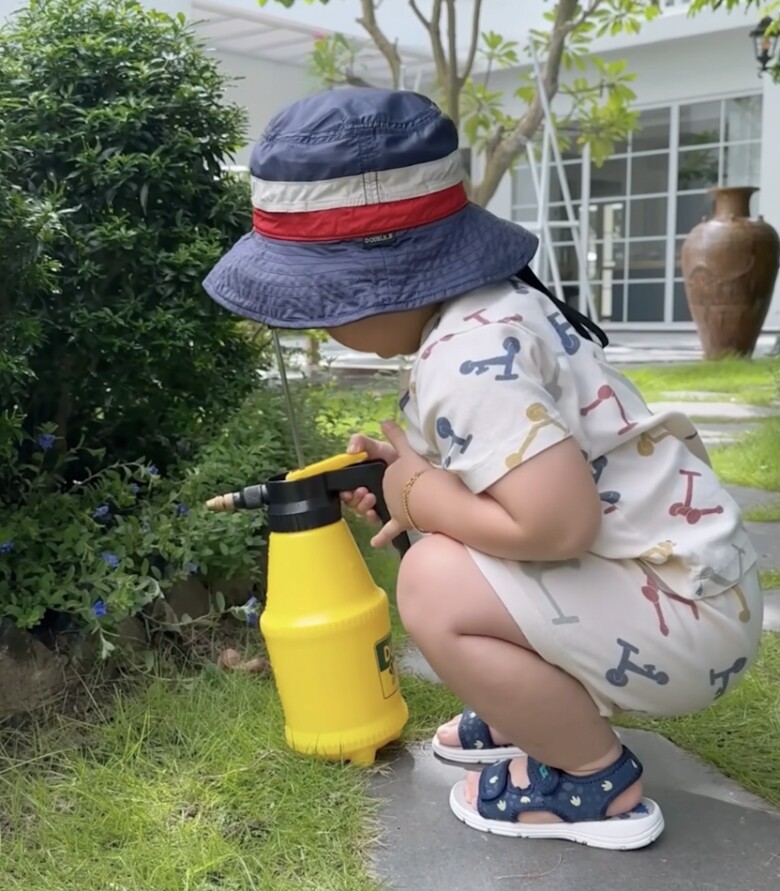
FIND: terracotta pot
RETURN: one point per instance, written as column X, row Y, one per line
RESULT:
column 729, row 264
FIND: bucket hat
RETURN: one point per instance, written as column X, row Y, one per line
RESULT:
column 360, row 208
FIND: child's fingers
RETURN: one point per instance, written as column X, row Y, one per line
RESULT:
column 366, row 503
column 386, row 534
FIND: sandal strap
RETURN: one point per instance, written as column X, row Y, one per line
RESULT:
column 473, row 732
column 571, row 798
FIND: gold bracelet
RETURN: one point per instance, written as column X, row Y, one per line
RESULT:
column 405, row 499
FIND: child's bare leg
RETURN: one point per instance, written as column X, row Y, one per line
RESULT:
column 476, row 648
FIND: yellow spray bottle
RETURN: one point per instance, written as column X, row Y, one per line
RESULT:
column 326, row 623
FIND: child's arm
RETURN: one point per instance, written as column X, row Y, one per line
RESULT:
column 547, row 508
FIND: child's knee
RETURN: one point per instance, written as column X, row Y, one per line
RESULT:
column 424, row 577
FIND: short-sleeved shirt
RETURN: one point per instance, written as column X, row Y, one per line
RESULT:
column 501, row 376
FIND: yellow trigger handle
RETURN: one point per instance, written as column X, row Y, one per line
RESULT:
column 336, row 462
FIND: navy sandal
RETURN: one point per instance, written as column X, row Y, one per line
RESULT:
column 580, row 802
column 476, row 744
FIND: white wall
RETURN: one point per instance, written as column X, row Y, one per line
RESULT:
column 263, row 89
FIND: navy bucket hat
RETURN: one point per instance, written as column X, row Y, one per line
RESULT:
column 359, row 208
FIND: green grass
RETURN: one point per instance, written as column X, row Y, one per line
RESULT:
column 770, row 579
column 754, row 382
column 188, row 787
column 186, row 784
column 739, row 734
column 764, row 513
column 753, row 461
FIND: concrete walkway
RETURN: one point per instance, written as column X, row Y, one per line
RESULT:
column 718, row 837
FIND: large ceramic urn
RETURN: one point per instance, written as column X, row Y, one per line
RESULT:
column 729, row 264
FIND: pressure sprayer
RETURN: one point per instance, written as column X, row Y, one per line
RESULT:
column 326, row 623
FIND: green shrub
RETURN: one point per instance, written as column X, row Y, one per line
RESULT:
column 102, row 549
column 112, row 117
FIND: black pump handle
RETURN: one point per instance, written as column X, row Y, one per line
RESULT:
column 369, row 475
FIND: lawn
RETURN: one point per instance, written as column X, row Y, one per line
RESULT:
column 756, row 382
column 770, row 579
column 753, row 461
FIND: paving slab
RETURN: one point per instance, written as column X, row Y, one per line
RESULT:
column 721, row 434
column 711, row 842
column 731, row 411
column 772, row 610
column 748, row 498
column 766, row 541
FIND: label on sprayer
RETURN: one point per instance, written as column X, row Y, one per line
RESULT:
column 385, row 660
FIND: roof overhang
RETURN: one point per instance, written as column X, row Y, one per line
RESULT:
column 251, row 32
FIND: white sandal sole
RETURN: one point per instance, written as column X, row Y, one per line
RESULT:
column 636, row 831
column 457, row 755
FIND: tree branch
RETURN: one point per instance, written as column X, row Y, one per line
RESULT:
column 353, row 80
column 369, row 23
column 585, row 15
column 453, row 84
column 433, row 27
column 474, row 42
column 498, row 162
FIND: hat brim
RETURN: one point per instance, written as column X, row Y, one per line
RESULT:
column 299, row 285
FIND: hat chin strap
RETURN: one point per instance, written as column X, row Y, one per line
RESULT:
column 581, row 323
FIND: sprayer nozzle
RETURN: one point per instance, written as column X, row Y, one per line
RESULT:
column 221, row 503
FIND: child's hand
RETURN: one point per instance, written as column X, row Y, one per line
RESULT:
column 361, row 499
column 397, row 475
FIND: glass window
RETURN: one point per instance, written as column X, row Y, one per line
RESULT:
column 649, row 174
column 742, row 119
column 647, row 259
column 568, row 267
column 645, row 302
column 741, row 164
column 618, row 302
column 628, row 254
column 690, row 211
column 648, row 217
column 700, row 123
column 610, row 180
column 573, row 174
column 680, row 310
column 523, row 186
column 607, row 218
column 606, row 259
column 697, row 169
column 652, row 131
column 678, row 257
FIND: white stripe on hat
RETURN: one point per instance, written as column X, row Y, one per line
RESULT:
column 359, row 190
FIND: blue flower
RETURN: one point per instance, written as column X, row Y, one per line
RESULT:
column 192, row 568
column 99, row 608
column 111, row 559
column 46, row 441
column 251, row 611
column 100, row 512
column 182, row 510
column 134, row 488
column 6, row 547
column 152, row 470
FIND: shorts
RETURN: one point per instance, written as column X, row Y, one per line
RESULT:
column 634, row 647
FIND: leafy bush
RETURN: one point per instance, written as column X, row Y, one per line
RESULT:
column 112, row 117
column 116, row 370
column 102, row 549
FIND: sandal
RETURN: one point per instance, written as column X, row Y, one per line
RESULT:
column 581, row 802
column 476, row 744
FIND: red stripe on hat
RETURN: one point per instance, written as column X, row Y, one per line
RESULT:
column 359, row 222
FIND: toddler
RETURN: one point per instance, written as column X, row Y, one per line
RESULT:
column 579, row 558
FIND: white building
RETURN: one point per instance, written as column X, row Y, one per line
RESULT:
column 707, row 119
